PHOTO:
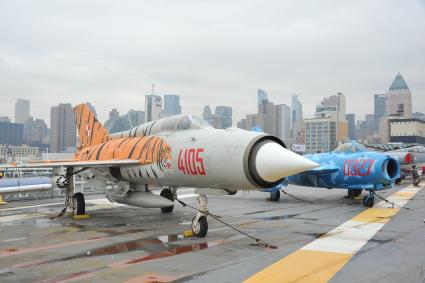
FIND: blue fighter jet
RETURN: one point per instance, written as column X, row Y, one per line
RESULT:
column 350, row 166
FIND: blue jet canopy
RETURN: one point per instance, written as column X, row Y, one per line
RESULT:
column 350, row 147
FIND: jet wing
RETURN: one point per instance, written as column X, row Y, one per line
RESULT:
column 321, row 170
column 77, row 163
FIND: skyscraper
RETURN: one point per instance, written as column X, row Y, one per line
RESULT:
column 63, row 130
column 351, row 120
column 283, row 121
column 261, row 95
column 11, row 133
column 207, row 112
column 225, row 114
column 297, row 123
column 334, row 107
column 153, row 107
column 268, row 112
column 172, row 105
column 35, row 131
column 22, row 110
column 379, row 101
column 399, row 98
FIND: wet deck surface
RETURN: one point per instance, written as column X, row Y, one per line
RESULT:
column 128, row 244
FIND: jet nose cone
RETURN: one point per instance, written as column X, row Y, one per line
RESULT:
column 273, row 162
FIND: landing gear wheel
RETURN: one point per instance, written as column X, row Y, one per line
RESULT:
column 79, row 204
column 368, row 201
column 398, row 181
column 168, row 194
column 200, row 227
column 354, row 193
column 275, row 196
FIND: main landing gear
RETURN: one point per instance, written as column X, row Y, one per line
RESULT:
column 199, row 222
column 354, row 193
column 168, row 194
column 275, row 196
column 74, row 201
column 369, row 201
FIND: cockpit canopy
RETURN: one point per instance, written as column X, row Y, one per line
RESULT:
column 168, row 124
column 350, row 147
column 183, row 122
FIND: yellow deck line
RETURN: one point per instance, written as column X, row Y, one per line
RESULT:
column 321, row 259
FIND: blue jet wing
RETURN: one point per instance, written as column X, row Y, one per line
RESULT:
column 322, row 170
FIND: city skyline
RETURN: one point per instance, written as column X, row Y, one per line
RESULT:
column 307, row 48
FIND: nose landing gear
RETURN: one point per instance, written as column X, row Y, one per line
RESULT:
column 199, row 222
column 369, row 201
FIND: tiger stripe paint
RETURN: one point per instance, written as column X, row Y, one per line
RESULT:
column 90, row 130
column 97, row 145
column 321, row 259
column 145, row 149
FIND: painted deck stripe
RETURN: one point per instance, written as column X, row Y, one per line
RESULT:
column 321, row 259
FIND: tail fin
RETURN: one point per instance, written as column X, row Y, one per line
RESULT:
column 90, row 130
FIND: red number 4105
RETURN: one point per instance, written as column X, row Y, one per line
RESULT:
column 190, row 162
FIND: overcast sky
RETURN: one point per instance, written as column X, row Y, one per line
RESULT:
column 215, row 52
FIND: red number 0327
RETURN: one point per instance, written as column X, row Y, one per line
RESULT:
column 191, row 161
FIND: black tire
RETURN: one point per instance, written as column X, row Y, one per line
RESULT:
column 398, row 181
column 368, row 201
column 200, row 228
column 166, row 193
column 231, row 193
column 80, row 204
column 354, row 193
column 275, row 196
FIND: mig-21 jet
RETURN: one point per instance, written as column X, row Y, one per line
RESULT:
column 173, row 152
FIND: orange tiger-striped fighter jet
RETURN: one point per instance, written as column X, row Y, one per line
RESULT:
column 177, row 151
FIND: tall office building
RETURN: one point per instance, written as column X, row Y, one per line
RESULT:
column 62, row 128
column 399, row 98
column 334, row 107
column 22, row 110
column 379, row 102
column 297, row 122
column 225, row 114
column 351, row 120
column 172, row 105
column 135, row 118
column 283, row 121
column 35, row 132
column 153, row 107
column 207, row 112
column 261, row 95
column 11, row 133
column 320, row 134
column 114, row 114
column 328, row 127
column 268, row 111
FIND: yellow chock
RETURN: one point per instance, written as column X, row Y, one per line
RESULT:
column 188, row 233
column 81, row 216
column 2, row 201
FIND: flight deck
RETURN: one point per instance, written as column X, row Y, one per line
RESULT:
column 321, row 236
